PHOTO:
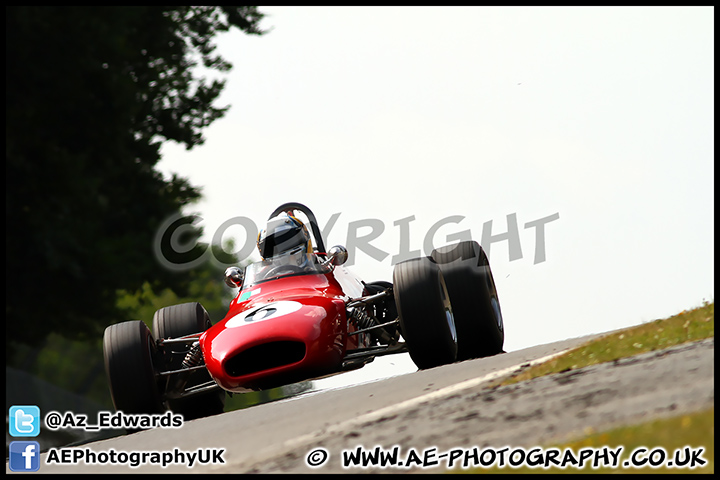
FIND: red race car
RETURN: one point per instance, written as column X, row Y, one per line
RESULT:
column 299, row 314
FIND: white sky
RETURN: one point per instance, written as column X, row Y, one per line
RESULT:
column 601, row 115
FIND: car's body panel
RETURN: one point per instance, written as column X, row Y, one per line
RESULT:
column 283, row 330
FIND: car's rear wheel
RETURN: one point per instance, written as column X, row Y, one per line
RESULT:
column 130, row 356
column 178, row 321
column 471, row 286
column 426, row 315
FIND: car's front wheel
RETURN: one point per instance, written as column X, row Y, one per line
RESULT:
column 130, row 356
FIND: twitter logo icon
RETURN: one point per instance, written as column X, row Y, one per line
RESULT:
column 24, row 421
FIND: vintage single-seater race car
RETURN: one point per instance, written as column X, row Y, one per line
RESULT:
column 300, row 314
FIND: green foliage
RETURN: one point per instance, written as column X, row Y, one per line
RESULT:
column 207, row 288
column 73, row 365
column 91, row 94
column 78, row 366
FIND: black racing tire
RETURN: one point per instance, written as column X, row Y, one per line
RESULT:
column 378, row 286
column 426, row 315
column 470, row 282
column 130, row 355
column 178, row 321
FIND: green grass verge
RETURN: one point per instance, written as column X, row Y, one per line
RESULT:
column 692, row 431
column 679, row 437
column 686, row 326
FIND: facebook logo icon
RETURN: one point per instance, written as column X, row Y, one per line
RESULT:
column 24, row 456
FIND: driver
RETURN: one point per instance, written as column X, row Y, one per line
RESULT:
column 285, row 246
column 283, row 234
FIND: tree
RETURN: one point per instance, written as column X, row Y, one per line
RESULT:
column 91, row 94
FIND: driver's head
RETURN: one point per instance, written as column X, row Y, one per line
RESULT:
column 283, row 234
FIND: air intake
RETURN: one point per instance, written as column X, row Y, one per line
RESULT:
column 264, row 357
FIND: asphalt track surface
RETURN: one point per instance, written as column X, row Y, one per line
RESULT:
column 442, row 408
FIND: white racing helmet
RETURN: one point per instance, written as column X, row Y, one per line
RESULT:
column 283, row 234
